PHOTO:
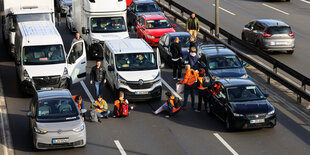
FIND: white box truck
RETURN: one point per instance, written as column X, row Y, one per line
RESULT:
column 133, row 67
column 99, row 20
column 14, row 11
column 41, row 61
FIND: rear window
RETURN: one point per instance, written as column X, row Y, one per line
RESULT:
column 279, row 30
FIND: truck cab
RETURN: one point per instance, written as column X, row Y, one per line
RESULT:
column 41, row 60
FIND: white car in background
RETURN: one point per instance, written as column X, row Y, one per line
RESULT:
column 65, row 6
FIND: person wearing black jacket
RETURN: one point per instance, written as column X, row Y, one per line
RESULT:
column 177, row 56
column 97, row 75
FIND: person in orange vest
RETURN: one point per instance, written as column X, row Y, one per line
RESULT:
column 189, row 80
column 101, row 107
column 117, row 103
column 202, row 86
column 78, row 101
column 170, row 105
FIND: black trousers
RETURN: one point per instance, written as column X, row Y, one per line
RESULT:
column 203, row 95
column 177, row 66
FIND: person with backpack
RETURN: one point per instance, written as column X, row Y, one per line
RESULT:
column 121, row 106
column 101, row 107
column 172, row 105
column 203, row 83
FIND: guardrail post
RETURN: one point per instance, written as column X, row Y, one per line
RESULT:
column 229, row 41
column 303, row 87
column 182, row 13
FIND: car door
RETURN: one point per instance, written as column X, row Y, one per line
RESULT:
column 222, row 109
column 161, row 45
column 218, row 100
column 247, row 31
column 257, row 30
column 77, row 62
column 106, row 63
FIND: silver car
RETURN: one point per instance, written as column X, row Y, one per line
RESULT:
column 270, row 35
column 56, row 121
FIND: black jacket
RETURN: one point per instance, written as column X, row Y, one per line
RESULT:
column 97, row 74
column 176, row 50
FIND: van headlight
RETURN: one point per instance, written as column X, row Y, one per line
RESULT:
column 121, row 80
column 65, row 73
column 26, row 75
column 151, row 37
column 157, row 78
column 39, row 131
column 94, row 41
column 79, row 129
column 245, row 76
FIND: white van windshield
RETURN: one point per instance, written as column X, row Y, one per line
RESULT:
column 108, row 24
column 34, row 17
column 135, row 61
column 42, row 55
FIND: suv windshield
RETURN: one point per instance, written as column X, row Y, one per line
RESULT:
column 43, row 55
column 108, row 24
column 223, row 62
column 56, row 109
column 184, row 40
column 147, row 7
column 244, row 93
column 279, row 30
column 33, row 17
column 135, row 61
column 158, row 24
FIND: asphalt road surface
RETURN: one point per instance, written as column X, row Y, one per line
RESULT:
column 234, row 14
column 144, row 133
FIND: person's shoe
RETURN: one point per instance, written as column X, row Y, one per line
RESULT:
column 175, row 78
column 179, row 79
column 167, row 116
column 197, row 110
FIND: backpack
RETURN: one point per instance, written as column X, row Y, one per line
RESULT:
column 93, row 116
column 123, row 109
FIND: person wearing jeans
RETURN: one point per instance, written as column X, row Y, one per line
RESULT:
column 97, row 76
column 101, row 107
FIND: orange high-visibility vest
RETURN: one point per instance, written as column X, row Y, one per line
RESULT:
column 98, row 106
column 78, row 104
column 117, row 102
column 171, row 100
column 200, row 79
column 190, row 77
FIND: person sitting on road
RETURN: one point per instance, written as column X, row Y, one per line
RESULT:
column 121, row 106
column 78, row 101
column 101, row 107
column 172, row 105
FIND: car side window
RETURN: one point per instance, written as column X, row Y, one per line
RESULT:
column 143, row 22
column 107, row 54
column 258, row 27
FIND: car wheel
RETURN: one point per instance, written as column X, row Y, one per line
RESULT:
column 290, row 52
column 228, row 124
column 209, row 109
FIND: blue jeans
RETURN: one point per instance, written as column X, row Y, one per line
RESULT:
column 98, row 86
column 186, row 93
column 103, row 114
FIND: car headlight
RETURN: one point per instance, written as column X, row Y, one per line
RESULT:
column 238, row 115
column 151, row 37
column 244, row 76
column 94, row 41
column 79, row 129
column 39, row 131
column 121, row 80
column 157, row 78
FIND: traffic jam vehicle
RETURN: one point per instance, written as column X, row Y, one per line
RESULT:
column 152, row 27
column 241, row 104
column 55, row 120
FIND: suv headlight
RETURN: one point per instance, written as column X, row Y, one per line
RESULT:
column 121, row 80
column 151, row 37
column 79, row 129
column 39, row 131
column 245, row 76
column 238, row 115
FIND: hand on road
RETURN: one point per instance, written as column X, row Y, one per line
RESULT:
column 91, row 81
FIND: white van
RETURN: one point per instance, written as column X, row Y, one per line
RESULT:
column 132, row 66
column 41, row 60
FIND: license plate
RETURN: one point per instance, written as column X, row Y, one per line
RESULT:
column 281, row 43
column 141, row 92
column 60, row 140
column 257, row 121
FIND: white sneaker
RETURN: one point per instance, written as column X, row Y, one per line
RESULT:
column 175, row 78
column 179, row 79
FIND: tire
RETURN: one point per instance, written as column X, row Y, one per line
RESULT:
column 209, row 109
column 290, row 52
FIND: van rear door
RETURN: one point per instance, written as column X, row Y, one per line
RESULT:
column 77, row 62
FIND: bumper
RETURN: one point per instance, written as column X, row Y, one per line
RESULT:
column 133, row 96
column 31, row 86
column 271, row 45
column 152, row 42
column 76, row 139
column 244, row 123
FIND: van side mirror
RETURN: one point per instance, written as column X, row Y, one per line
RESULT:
column 244, row 63
column 84, row 30
column 110, row 68
column 30, row 114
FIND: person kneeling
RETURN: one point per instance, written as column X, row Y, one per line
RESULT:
column 172, row 105
column 121, row 106
column 101, row 107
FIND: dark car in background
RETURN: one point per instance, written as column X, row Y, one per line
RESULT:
column 140, row 7
column 220, row 62
column 167, row 39
column 241, row 104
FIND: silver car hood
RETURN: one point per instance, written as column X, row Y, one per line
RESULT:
column 59, row 126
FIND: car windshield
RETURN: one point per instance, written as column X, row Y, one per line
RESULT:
column 279, row 30
column 158, row 24
column 184, row 40
column 223, row 62
column 108, row 24
column 43, row 55
column 34, row 17
column 244, row 93
column 53, row 109
column 135, row 61
column 147, row 7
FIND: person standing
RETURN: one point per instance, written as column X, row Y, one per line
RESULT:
column 177, row 56
column 189, row 80
column 192, row 25
column 203, row 92
column 77, row 49
column 97, row 76
column 193, row 58
column 101, row 107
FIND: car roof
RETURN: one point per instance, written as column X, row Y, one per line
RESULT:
column 143, row 1
column 235, row 82
column 272, row 22
column 153, row 16
column 121, row 46
column 177, row 34
column 55, row 93
column 215, row 49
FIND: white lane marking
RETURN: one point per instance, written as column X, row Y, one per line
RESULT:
column 171, row 89
column 87, row 92
column 6, row 134
column 226, row 10
column 120, row 148
column 225, row 144
column 271, row 7
column 305, row 1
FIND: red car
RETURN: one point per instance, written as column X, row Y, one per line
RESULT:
column 151, row 27
column 128, row 2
